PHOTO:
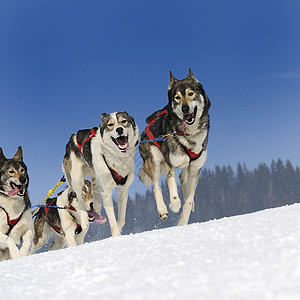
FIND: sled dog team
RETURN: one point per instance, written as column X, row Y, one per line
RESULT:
column 175, row 137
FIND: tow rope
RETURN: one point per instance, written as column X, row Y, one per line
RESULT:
column 62, row 180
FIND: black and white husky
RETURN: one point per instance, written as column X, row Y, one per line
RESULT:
column 16, row 223
column 184, row 124
column 61, row 218
column 106, row 154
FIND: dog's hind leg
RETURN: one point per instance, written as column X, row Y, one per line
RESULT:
column 175, row 202
column 189, row 189
column 122, row 205
column 96, row 195
column 75, row 174
column 161, row 207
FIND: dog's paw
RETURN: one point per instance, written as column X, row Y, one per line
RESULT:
column 164, row 216
column 115, row 232
column 175, row 205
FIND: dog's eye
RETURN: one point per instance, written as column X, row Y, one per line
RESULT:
column 22, row 171
column 191, row 94
column 124, row 122
column 177, row 98
column 11, row 172
column 110, row 126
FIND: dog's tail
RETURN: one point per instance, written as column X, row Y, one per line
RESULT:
column 144, row 176
column 146, row 173
column 39, row 223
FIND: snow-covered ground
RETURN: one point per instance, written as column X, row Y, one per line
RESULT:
column 255, row 256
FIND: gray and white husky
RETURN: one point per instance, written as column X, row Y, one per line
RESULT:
column 16, row 223
column 106, row 154
column 61, row 218
column 184, row 123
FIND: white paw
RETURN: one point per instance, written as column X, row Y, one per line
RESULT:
column 115, row 232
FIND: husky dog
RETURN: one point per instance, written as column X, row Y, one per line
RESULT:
column 63, row 222
column 15, row 217
column 106, row 154
column 184, row 124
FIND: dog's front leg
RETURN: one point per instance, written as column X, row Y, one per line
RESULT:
column 27, row 238
column 8, row 242
column 110, row 212
column 122, row 205
column 175, row 202
column 58, row 243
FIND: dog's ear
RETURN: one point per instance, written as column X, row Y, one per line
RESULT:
column 172, row 80
column 130, row 119
column 103, row 116
column 2, row 157
column 191, row 76
column 19, row 154
column 86, row 188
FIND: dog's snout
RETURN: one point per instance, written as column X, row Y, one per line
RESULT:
column 92, row 206
column 185, row 109
column 120, row 130
column 22, row 180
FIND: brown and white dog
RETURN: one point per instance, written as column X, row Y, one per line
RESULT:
column 184, row 123
column 106, row 154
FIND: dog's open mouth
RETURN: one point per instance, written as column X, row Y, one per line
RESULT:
column 121, row 142
column 189, row 119
column 93, row 216
column 16, row 190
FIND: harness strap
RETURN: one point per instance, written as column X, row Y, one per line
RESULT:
column 11, row 223
column 93, row 133
column 46, row 208
column 148, row 130
column 192, row 155
column 119, row 180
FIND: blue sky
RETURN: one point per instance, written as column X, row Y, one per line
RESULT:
column 63, row 63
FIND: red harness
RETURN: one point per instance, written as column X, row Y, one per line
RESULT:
column 119, row 180
column 93, row 133
column 11, row 223
column 192, row 155
column 58, row 230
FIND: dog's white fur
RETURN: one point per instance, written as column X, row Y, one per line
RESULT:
column 123, row 163
column 22, row 230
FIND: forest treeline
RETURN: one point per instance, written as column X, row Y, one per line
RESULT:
column 221, row 192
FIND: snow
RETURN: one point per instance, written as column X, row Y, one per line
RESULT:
column 254, row 256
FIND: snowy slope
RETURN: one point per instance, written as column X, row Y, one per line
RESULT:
column 255, row 256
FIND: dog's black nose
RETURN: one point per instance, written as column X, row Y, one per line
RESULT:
column 92, row 206
column 120, row 130
column 185, row 109
column 22, row 180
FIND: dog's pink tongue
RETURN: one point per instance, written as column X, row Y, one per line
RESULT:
column 183, row 125
column 13, row 192
column 97, row 218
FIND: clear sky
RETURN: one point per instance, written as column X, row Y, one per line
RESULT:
column 63, row 63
